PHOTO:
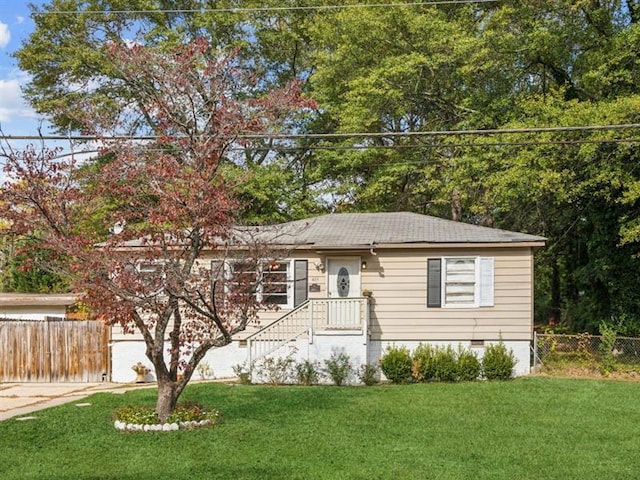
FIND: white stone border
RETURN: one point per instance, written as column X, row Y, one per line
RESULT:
column 160, row 427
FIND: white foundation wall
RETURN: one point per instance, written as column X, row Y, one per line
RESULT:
column 320, row 347
column 326, row 344
column 125, row 354
column 521, row 350
column 219, row 363
column 222, row 360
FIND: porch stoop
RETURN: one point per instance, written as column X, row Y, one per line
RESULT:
column 334, row 316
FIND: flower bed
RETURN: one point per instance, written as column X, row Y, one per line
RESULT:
column 145, row 419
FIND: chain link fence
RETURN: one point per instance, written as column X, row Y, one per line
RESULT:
column 585, row 349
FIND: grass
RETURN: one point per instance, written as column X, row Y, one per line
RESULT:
column 530, row 428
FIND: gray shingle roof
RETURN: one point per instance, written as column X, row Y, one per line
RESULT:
column 366, row 229
column 359, row 230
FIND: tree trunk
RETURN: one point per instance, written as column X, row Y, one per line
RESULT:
column 167, row 398
column 456, row 205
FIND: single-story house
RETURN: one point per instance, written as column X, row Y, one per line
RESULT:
column 359, row 282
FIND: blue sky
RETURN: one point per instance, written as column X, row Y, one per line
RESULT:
column 16, row 117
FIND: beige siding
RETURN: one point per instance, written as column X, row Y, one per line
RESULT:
column 399, row 284
column 314, row 276
column 398, row 280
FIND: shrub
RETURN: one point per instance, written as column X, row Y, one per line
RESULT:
column 368, row 374
column 275, row 371
column 469, row 367
column 205, row 370
column 396, row 364
column 445, row 364
column 243, row 372
column 337, row 368
column 307, row 373
column 422, row 366
column 498, row 362
column 606, row 347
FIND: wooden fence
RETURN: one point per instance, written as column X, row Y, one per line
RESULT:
column 53, row 350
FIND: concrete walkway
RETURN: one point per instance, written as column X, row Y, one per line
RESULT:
column 22, row 399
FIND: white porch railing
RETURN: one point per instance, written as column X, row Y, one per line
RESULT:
column 314, row 314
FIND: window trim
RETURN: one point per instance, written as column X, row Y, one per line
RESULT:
column 484, row 282
column 288, row 282
column 475, row 302
column 260, row 294
column 147, row 269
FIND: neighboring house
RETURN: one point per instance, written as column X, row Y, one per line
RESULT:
column 35, row 306
column 361, row 282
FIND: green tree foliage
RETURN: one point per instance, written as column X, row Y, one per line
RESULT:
column 517, row 65
column 29, row 268
column 405, row 70
column 69, row 67
column 575, row 189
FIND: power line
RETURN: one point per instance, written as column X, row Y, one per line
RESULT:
column 342, row 136
column 399, row 147
column 442, row 133
column 447, row 145
column 268, row 9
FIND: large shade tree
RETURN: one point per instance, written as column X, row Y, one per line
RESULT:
column 68, row 65
column 406, row 68
column 167, row 195
column 411, row 69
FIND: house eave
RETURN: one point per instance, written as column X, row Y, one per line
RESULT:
column 34, row 299
column 410, row 246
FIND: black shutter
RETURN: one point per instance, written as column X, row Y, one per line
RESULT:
column 434, row 282
column 300, row 282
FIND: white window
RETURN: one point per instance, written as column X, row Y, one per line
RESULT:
column 270, row 282
column 242, row 278
column 460, row 282
column 151, row 277
column 276, row 284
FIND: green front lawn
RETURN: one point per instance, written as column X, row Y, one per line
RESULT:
column 530, row 428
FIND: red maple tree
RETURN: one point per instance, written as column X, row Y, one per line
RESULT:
column 168, row 196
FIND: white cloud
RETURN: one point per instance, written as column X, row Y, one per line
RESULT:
column 12, row 105
column 20, row 19
column 5, row 35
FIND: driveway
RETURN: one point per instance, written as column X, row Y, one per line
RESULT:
column 23, row 399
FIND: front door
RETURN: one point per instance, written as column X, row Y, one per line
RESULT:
column 344, row 286
column 344, row 277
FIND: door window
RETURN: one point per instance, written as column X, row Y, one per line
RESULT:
column 343, row 282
